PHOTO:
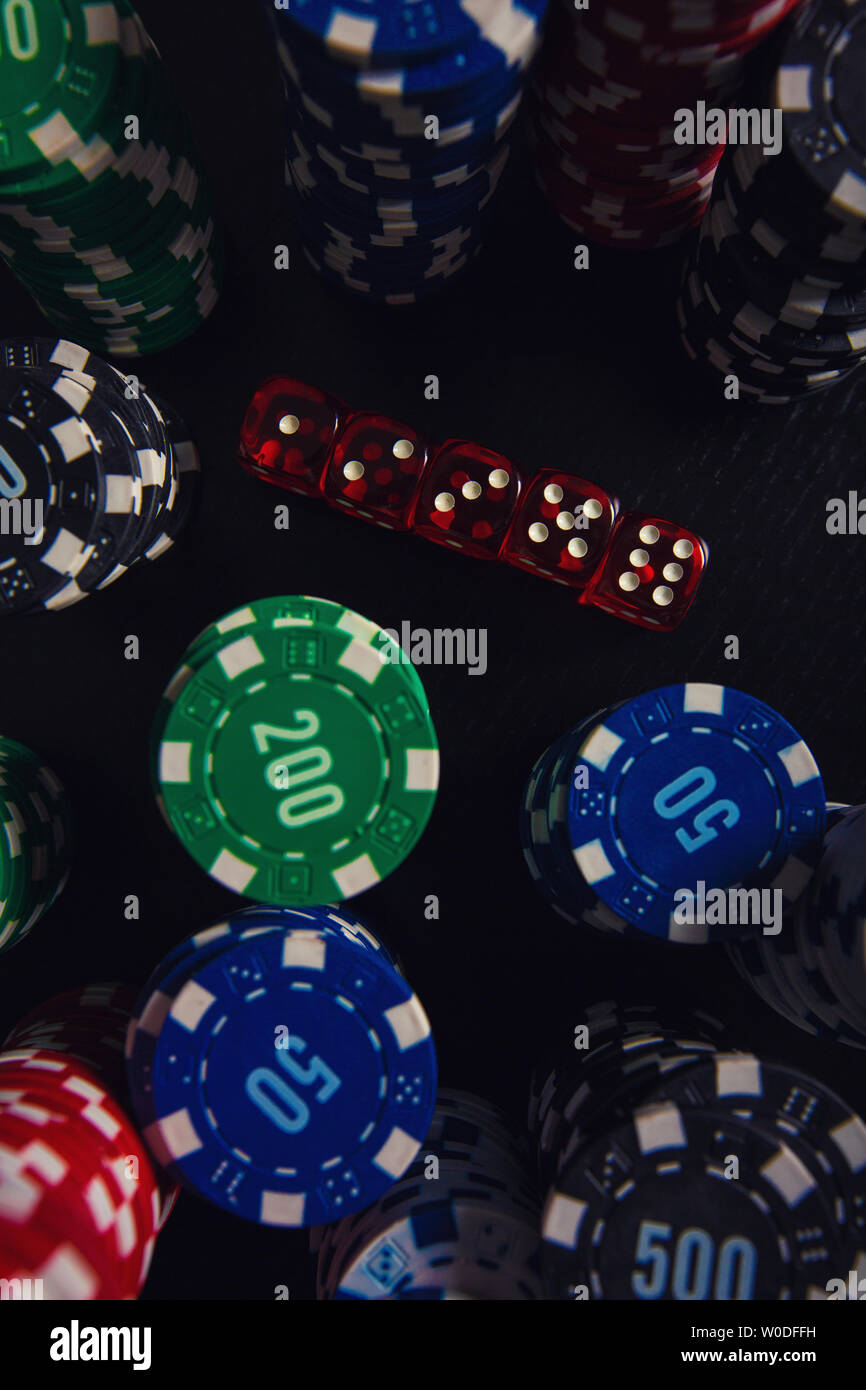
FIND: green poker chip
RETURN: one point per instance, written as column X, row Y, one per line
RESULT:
column 302, row 610
column 294, row 755
column 109, row 227
column 35, row 840
column 59, row 65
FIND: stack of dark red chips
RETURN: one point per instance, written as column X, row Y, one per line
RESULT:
column 610, row 152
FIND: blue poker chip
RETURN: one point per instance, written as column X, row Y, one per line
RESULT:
column 325, row 918
column 364, row 163
column 368, row 31
column 478, row 67
column 694, row 788
column 544, row 837
column 398, row 97
column 175, row 969
column 398, row 130
column 293, row 1078
column 443, row 196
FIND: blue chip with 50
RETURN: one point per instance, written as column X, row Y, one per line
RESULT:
column 688, row 790
column 293, row 1078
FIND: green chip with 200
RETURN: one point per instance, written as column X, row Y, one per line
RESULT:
column 296, row 765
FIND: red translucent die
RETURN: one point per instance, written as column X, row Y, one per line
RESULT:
column 468, row 499
column 651, row 571
column 288, row 433
column 561, row 528
column 375, row 469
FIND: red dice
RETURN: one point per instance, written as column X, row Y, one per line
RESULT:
column 468, row 499
column 561, row 528
column 651, row 571
column 288, row 433
column 375, row 469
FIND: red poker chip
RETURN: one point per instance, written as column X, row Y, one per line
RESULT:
column 628, row 186
column 65, row 1084
column 40, row 1250
column 661, row 44
column 63, row 1198
column 657, row 163
column 622, row 238
column 612, row 62
column 615, row 137
column 684, row 26
column 581, row 205
column 84, row 1024
column 102, row 998
column 97, row 1048
column 81, row 1136
column 621, row 201
column 112, row 1208
column 585, row 60
column 635, row 103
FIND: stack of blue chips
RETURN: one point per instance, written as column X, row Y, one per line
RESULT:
column 398, row 123
column 693, row 813
column 281, row 1067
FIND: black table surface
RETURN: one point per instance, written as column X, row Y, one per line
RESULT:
column 553, row 367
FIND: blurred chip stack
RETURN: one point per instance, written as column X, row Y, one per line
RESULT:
column 397, row 133
column 94, row 474
column 678, row 1172
column 35, row 840
column 775, row 293
column 80, row 1203
column 813, row 972
column 104, row 217
column 609, row 84
column 462, row 1223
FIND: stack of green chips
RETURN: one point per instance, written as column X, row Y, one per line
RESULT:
column 293, row 753
column 35, row 838
column 104, row 216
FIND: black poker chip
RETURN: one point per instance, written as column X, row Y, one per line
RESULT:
column 473, row 1233
column 95, row 474
column 812, row 973
column 775, row 292
column 677, row 1170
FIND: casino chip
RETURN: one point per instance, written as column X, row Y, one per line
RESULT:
column 397, row 134
column 35, row 840
column 96, row 475
column 209, row 1071
column 75, row 1211
column 775, row 292
column 461, row 1223
column 608, row 83
column 750, row 1174
column 104, row 217
column 340, row 779
column 813, row 972
column 675, row 815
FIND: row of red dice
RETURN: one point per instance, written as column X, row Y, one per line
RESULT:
column 631, row 564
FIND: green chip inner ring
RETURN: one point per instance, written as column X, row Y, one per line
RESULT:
column 297, row 767
column 319, row 774
column 36, row 52
column 59, row 61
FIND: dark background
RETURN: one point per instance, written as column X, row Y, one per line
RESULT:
column 555, row 368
